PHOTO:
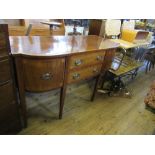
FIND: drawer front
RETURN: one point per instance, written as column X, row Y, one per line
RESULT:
column 74, row 76
column 5, row 73
column 43, row 74
column 80, row 60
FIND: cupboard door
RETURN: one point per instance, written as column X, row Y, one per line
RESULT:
column 44, row 74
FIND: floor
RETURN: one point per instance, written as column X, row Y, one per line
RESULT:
column 106, row 115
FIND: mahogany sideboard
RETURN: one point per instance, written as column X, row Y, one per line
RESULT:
column 9, row 112
column 45, row 63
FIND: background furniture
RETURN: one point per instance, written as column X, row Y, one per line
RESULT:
column 75, row 57
column 95, row 26
column 112, row 28
column 9, row 105
column 17, row 30
column 37, row 31
column 122, row 66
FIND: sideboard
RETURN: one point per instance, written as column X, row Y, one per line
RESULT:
column 46, row 63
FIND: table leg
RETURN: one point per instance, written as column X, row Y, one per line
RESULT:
column 62, row 100
column 95, row 88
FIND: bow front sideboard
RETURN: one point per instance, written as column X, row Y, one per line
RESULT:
column 46, row 63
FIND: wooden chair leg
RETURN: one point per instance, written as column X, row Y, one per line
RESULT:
column 150, row 65
column 147, row 65
column 95, row 88
column 62, row 100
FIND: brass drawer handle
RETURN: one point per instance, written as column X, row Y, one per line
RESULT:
column 76, row 76
column 46, row 76
column 99, row 58
column 78, row 62
column 95, row 70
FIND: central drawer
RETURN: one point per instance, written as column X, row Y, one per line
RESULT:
column 92, row 71
column 43, row 74
column 86, row 59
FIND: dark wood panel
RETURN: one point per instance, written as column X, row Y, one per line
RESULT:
column 6, row 95
column 9, row 114
column 10, row 127
column 5, row 73
column 43, row 74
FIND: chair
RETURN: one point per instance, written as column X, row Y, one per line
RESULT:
column 149, row 57
column 122, row 66
column 112, row 28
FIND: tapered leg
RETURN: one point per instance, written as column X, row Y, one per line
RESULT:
column 95, row 88
column 62, row 100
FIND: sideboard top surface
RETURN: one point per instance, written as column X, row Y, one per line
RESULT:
column 58, row 45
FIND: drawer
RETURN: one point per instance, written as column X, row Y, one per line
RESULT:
column 74, row 76
column 80, row 60
column 5, row 73
column 43, row 74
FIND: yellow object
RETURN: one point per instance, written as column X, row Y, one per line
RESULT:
column 134, row 36
column 127, row 45
column 128, row 35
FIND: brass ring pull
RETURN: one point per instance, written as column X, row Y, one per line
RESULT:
column 76, row 76
column 46, row 76
column 95, row 70
column 99, row 58
column 78, row 62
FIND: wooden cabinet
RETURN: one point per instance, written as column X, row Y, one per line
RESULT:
column 43, row 74
column 45, row 63
column 9, row 114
